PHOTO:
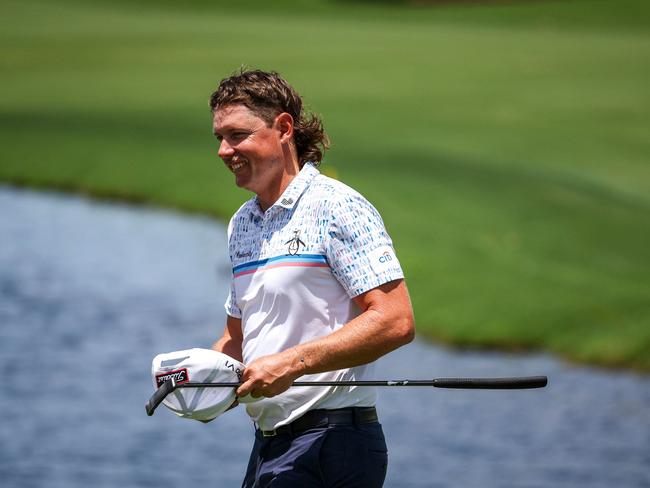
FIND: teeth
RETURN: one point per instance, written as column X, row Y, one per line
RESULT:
column 236, row 166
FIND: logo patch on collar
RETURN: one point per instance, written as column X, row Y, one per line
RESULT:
column 286, row 201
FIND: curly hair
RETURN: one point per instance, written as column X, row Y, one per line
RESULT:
column 267, row 95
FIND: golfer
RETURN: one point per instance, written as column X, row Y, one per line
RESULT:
column 317, row 293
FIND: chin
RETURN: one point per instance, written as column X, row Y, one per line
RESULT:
column 242, row 182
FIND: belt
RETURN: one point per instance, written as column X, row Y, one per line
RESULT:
column 322, row 418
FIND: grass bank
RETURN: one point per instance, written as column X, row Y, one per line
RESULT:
column 505, row 145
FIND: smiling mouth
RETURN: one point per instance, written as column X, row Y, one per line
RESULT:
column 235, row 167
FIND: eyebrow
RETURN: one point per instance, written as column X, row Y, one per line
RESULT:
column 231, row 128
column 226, row 128
column 220, row 134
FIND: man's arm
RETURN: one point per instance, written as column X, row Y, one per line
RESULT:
column 231, row 341
column 386, row 323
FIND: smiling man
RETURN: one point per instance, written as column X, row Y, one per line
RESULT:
column 317, row 293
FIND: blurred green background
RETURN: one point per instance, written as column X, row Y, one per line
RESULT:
column 505, row 144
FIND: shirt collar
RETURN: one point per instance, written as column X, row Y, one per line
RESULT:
column 292, row 193
column 297, row 186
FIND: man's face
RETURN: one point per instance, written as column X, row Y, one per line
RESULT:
column 249, row 148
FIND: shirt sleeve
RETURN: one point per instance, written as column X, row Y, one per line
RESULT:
column 231, row 302
column 359, row 250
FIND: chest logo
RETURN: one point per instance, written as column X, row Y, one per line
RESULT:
column 295, row 243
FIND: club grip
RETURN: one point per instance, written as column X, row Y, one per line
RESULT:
column 159, row 395
column 492, row 383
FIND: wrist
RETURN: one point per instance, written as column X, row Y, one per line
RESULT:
column 299, row 364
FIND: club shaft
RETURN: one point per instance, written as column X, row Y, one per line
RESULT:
column 515, row 383
column 458, row 383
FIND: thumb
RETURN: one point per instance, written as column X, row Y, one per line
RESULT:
column 245, row 388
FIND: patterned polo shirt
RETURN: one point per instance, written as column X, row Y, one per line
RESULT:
column 296, row 268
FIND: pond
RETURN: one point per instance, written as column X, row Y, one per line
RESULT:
column 90, row 292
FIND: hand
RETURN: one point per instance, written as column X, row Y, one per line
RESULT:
column 270, row 375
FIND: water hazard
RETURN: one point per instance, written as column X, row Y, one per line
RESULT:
column 90, row 292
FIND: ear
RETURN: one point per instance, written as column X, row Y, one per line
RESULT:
column 284, row 123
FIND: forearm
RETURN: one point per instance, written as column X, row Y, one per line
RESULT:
column 385, row 324
column 363, row 340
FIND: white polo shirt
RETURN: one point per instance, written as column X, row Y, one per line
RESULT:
column 295, row 269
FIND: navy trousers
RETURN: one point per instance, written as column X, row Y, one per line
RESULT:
column 345, row 456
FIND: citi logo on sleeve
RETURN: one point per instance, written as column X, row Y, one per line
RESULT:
column 385, row 257
column 180, row 375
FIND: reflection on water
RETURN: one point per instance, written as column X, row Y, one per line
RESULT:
column 89, row 293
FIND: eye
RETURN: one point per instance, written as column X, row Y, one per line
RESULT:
column 239, row 135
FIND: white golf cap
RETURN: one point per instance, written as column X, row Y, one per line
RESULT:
column 198, row 366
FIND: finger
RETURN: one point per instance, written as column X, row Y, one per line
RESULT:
column 245, row 388
column 245, row 375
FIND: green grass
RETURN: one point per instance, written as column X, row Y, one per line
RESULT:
column 506, row 145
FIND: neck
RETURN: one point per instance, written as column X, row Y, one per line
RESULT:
column 268, row 197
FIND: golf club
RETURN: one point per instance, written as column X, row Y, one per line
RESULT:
column 516, row 383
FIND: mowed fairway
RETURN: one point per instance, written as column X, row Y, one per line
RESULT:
column 507, row 146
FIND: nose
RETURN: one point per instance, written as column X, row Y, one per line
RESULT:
column 225, row 150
